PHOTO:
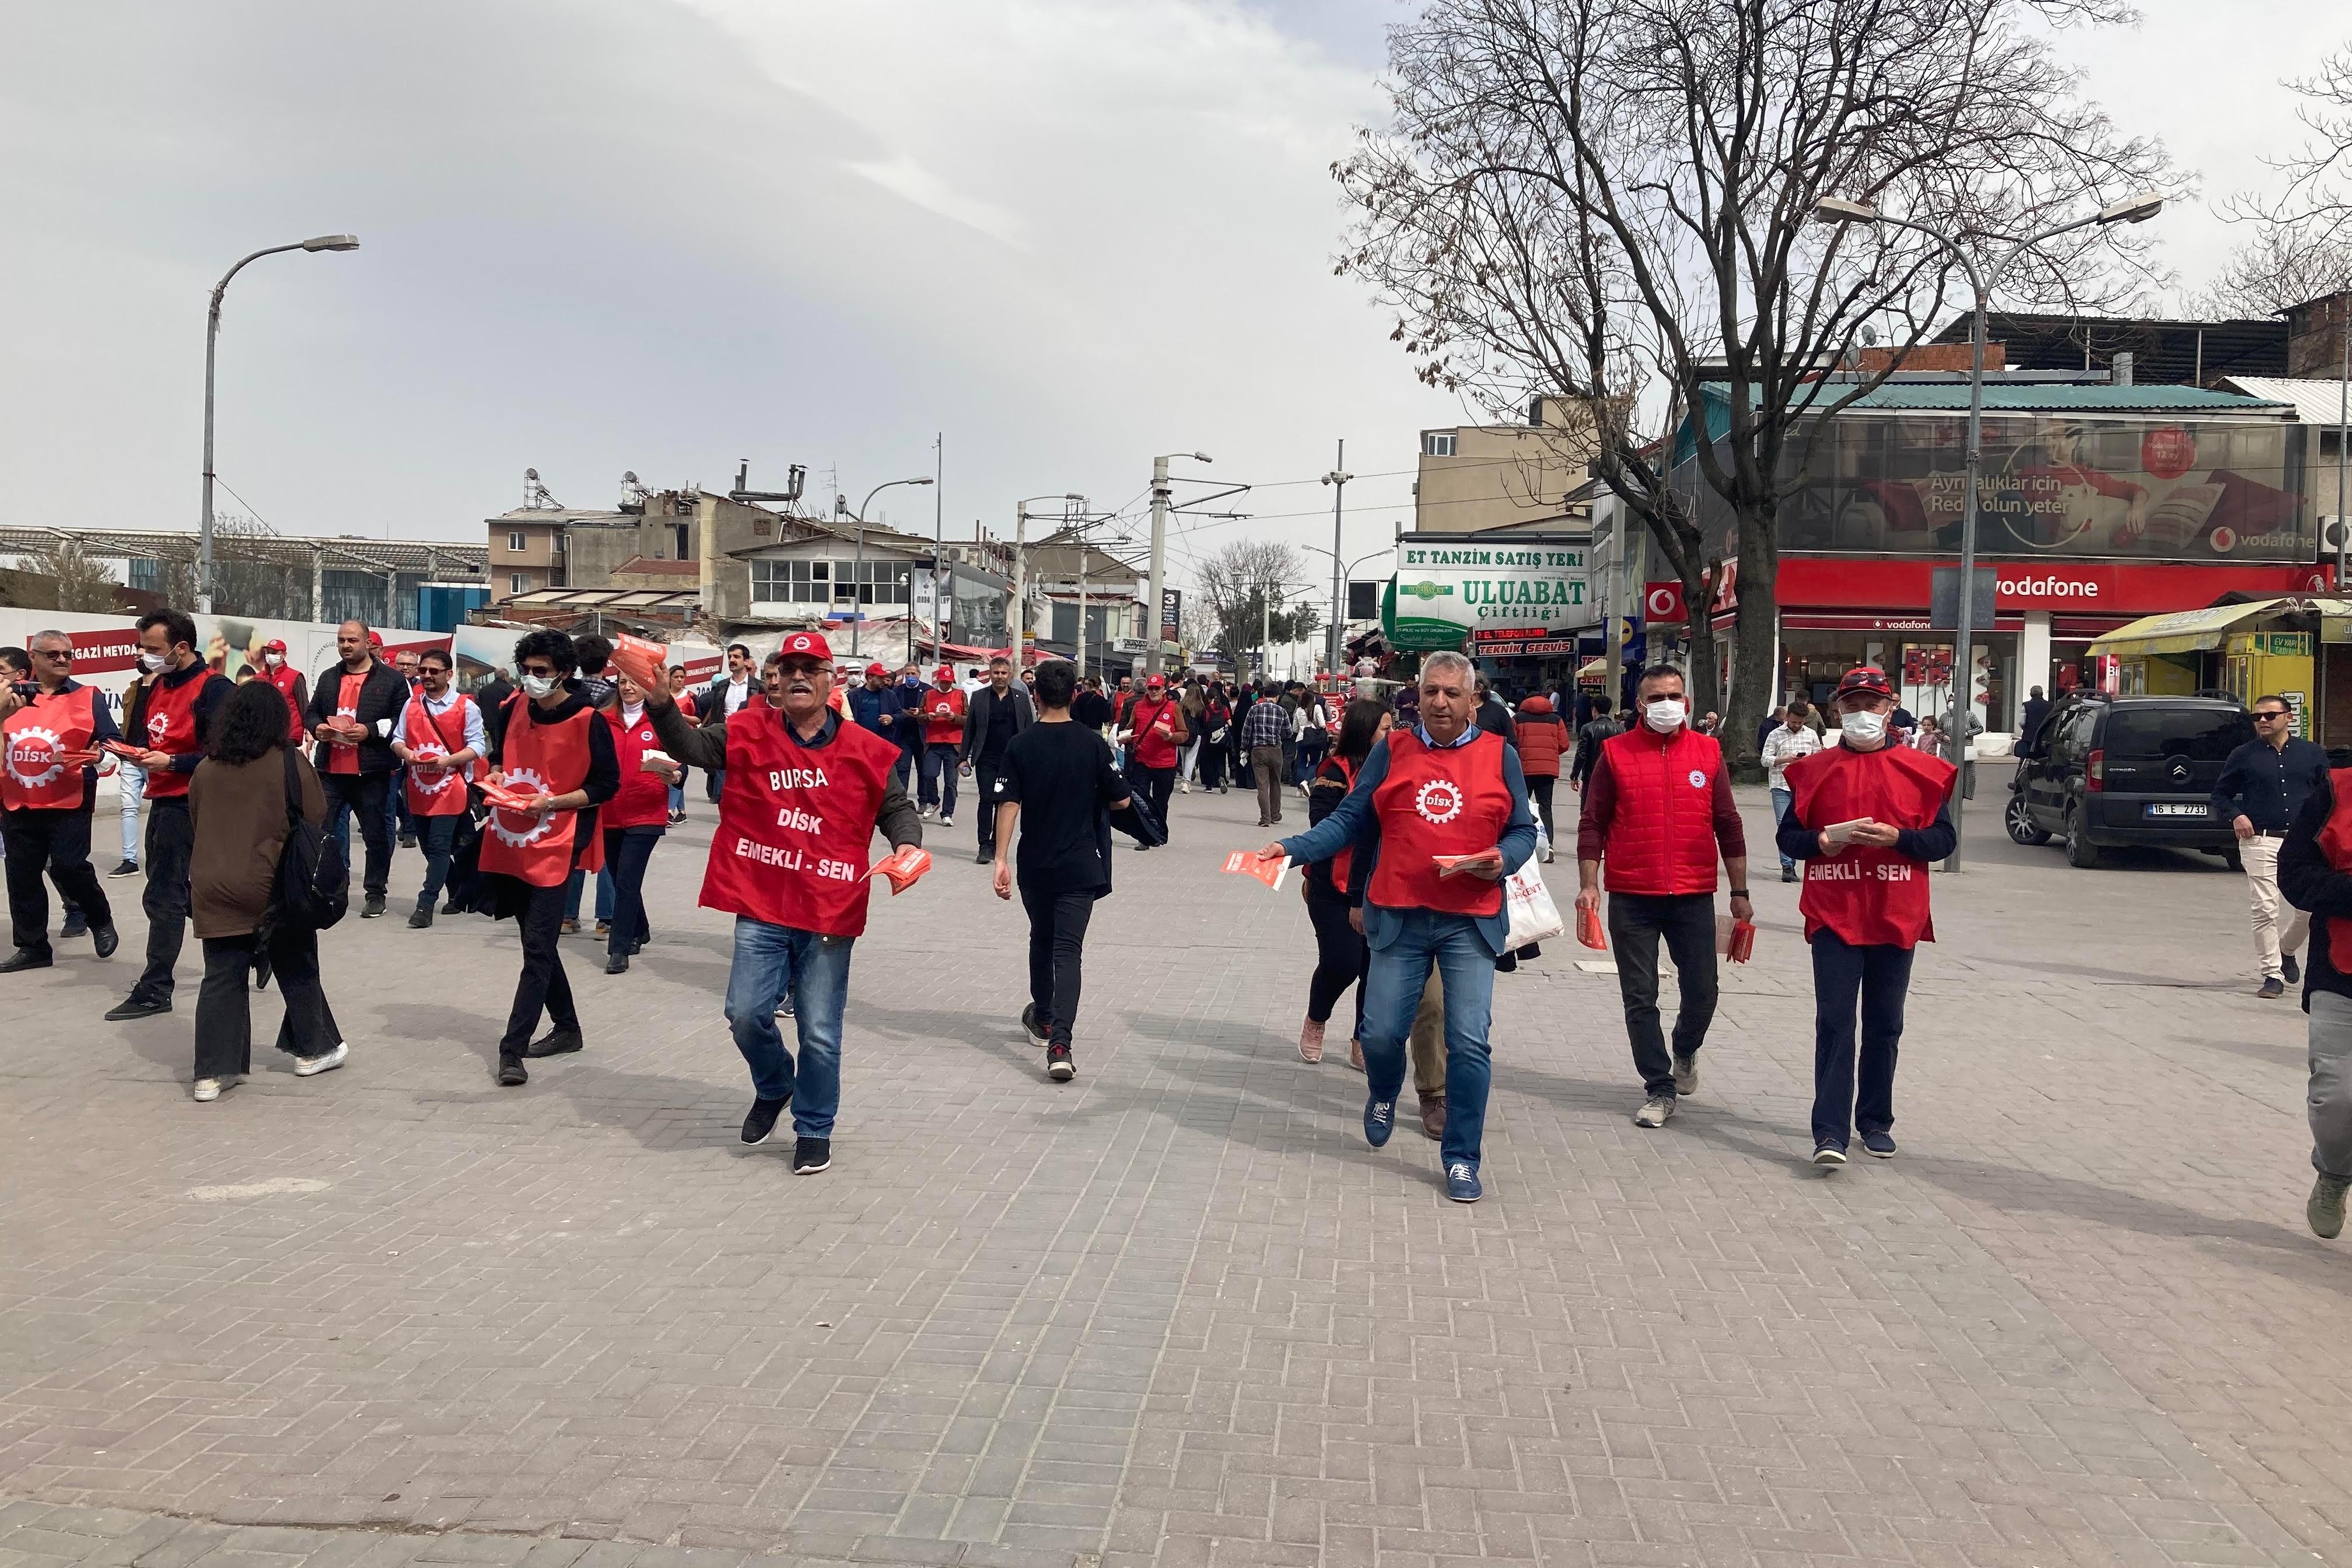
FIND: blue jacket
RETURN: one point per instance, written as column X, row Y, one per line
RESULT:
column 1354, row 822
column 868, row 707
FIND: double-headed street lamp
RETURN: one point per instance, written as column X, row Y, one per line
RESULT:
column 858, row 571
column 1342, row 571
column 212, row 340
column 1982, row 282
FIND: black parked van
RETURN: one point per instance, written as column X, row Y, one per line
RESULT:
column 2128, row 769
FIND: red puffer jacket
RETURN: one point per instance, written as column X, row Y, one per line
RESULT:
column 1662, row 836
column 1543, row 736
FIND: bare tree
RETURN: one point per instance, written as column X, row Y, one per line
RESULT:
column 2301, row 247
column 1242, row 590
column 84, row 584
column 2283, row 263
column 1611, row 201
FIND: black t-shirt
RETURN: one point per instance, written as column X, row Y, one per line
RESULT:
column 1000, row 726
column 1062, row 777
column 1092, row 709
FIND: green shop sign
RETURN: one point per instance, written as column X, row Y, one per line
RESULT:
column 1448, row 595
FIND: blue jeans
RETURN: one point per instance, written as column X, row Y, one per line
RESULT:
column 1781, row 808
column 770, row 960
column 937, row 786
column 1392, row 990
column 1851, row 1082
column 621, row 886
column 437, row 836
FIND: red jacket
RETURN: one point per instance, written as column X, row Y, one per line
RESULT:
column 1661, row 834
column 1543, row 736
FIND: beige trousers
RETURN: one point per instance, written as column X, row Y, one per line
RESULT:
column 2260, row 857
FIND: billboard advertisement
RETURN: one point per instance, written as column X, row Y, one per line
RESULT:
column 1451, row 594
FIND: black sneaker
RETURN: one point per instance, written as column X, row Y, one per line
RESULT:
column 103, row 940
column 762, row 1120
column 983, row 858
column 26, row 958
column 137, row 1006
column 511, row 1072
column 1038, row 1030
column 128, row 869
column 1058, row 1065
column 419, row 918
column 374, row 907
column 618, row 963
column 409, row 840
column 2287, row 966
column 76, row 925
column 811, row 1155
column 555, row 1042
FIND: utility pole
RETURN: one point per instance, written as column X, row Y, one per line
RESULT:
column 1264, row 629
column 1337, row 480
column 1158, row 565
column 939, row 546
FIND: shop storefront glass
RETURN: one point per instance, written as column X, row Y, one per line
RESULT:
column 1918, row 664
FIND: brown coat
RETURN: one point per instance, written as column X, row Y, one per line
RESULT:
column 237, row 812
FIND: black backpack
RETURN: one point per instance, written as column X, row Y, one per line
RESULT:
column 313, row 879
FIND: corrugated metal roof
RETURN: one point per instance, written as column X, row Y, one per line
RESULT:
column 2314, row 401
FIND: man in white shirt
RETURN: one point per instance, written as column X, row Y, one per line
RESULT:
column 1791, row 739
column 721, row 697
column 439, row 767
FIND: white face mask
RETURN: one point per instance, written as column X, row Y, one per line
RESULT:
column 272, row 660
column 1864, row 729
column 1665, row 715
column 538, row 686
column 152, row 663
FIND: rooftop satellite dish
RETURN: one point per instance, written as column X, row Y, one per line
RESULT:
column 1869, row 336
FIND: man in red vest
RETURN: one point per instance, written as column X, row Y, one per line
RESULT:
column 439, row 738
column 805, row 793
column 52, row 729
column 1866, row 817
column 1157, row 720
column 1657, row 811
column 555, row 751
column 1437, row 817
column 290, row 683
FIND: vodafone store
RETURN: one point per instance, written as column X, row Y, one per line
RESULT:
column 2114, row 503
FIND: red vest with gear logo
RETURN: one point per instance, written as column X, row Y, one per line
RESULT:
column 795, row 825
column 343, row 759
column 170, row 717
column 642, row 799
column 1448, row 800
column 538, row 758
column 435, row 794
column 1153, row 748
column 53, row 723
column 1661, row 839
column 1870, row 897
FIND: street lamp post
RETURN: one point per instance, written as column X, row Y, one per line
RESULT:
column 1016, row 620
column 1981, row 282
column 1151, row 658
column 1337, row 480
column 1348, row 573
column 212, row 341
column 857, row 570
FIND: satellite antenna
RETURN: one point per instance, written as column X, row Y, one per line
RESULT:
column 535, row 495
column 633, row 492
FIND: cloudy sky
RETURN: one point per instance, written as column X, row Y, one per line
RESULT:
column 666, row 235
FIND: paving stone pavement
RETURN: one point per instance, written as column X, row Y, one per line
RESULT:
column 1175, row 1313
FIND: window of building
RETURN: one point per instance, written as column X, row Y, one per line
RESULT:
column 1437, row 443
column 791, row 582
column 684, row 542
column 514, row 541
column 517, row 583
column 872, row 582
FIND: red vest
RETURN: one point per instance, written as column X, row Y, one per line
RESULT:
column 431, row 735
column 1152, row 749
column 1445, row 801
column 52, row 723
column 1661, row 839
column 643, row 800
column 538, row 758
column 283, row 677
column 1345, row 860
column 795, row 825
column 170, row 716
column 343, row 759
column 2334, row 845
column 1869, row 897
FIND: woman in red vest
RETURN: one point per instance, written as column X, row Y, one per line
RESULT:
column 558, row 755
column 1341, row 955
column 634, row 824
column 1866, row 819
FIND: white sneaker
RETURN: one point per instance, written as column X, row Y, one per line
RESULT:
column 1654, row 1112
column 207, row 1089
column 925, row 815
column 949, row 821
column 1184, row 786
column 310, row 1066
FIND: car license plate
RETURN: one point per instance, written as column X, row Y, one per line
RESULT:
column 2168, row 808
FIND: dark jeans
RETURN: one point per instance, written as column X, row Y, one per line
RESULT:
column 396, row 815
column 1636, row 921
column 225, row 1003
column 937, row 786
column 436, row 836
column 1342, row 958
column 1308, row 753
column 170, row 842
column 363, row 794
column 1539, row 788
column 1212, row 764
column 1057, row 940
column 627, row 851
column 714, row 780
column 1157, row 785
column 1878, row 976
column 905, row 766
column 58, row 842
column 543, row 984
column 983, row 777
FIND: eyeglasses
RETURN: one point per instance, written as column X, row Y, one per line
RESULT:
column 66, row 653
column 2267, row 715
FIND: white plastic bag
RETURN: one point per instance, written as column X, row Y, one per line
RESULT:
column 1534, row 917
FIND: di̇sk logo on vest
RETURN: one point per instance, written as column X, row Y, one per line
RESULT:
column 31, row 748
column 158, row 726
column 1697, row 779
column 523, row 781
column 430, row 781
column 1439, row 800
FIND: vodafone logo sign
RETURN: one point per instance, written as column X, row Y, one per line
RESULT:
column 1665, row 603
column 2045, row 587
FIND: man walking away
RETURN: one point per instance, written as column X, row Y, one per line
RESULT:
column 440, row 739
column 353, row 707
column 1493, row 716
column 169, row 712
column 1158, row 719
column 2264, row 784
column 1789, row 739
column 1061, row 770
column 942, row 711
column 2315, row 872
column 1438, row 816
column 1092, row 708
column 46, row 795
column 1263, row 727
column 1542, row 738
column 1657, row 809
column 1589, row 740
column 996, row 713
column 2030, row 716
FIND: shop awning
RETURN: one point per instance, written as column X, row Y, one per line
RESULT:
column 1598, row 669
column 2198, row 631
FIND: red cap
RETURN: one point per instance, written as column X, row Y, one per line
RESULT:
column 1865, row 678
column 804, row 645
column 275, row 645
column 1157, row 680
column 944, row 672
column 376, row 639
column 876, row 668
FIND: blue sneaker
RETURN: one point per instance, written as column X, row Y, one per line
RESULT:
column 1462, row 1183
column 1379, row 1120
column 1881, row 1144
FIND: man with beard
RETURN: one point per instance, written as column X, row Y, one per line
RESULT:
column 354, row 705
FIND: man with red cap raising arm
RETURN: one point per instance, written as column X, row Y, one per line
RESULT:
column 1866, row 819
column 803, row 795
